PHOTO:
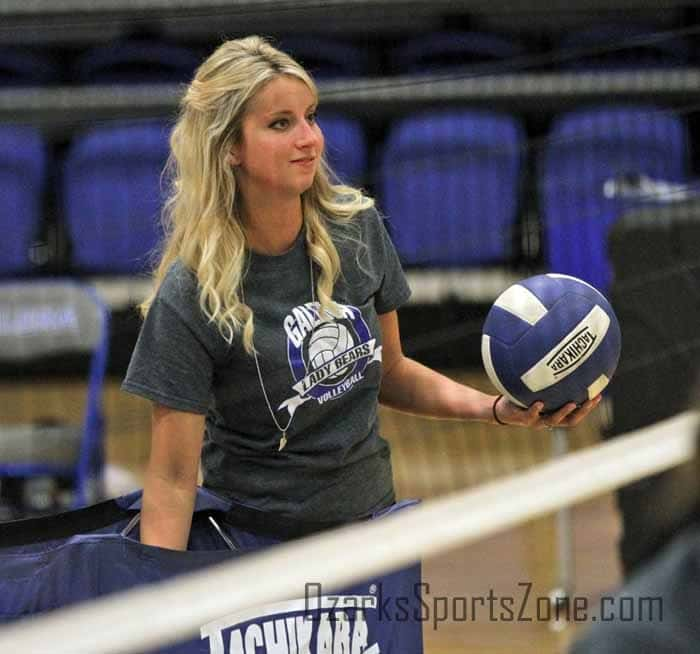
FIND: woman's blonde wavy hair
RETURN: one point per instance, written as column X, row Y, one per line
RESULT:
column 202, row 220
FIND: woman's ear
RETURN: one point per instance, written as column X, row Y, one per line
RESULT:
column 233, row 158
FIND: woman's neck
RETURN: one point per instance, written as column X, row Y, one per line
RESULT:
column 272, row 229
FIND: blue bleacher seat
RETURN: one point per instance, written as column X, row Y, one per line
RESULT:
column 449, row 182
column 138, row 61
column 346, row 147
column 22, row 180
column 112, row 196
column 440, row 52
column 589, row 167
column 41, row 320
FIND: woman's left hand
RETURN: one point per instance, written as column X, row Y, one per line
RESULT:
column 567, row 416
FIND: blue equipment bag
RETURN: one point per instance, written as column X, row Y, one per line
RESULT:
column 60, row 560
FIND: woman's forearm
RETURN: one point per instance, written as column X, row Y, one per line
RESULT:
column 166, row 514
column 170, row 486
column 414, row 388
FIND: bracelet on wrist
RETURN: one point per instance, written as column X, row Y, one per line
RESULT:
column 495, row 415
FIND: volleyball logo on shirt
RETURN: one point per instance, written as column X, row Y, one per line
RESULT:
column 327, row 357
column 327, row 342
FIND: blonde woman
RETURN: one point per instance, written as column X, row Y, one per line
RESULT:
column 272, row 333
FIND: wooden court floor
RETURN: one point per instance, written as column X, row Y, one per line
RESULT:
column 430, row 458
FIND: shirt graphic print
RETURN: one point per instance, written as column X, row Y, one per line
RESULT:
column 326, row 357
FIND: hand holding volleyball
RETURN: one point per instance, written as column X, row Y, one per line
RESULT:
column 551, row 339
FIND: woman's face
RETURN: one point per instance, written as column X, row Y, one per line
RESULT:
column 281, row 143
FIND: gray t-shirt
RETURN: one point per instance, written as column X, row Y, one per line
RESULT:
column 326, row 376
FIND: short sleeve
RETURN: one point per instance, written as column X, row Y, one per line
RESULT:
column 172, row 362
column 394, row 290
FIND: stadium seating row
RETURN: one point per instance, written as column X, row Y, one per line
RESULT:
column 449, row 182
column 148, row 60
column 110, row 191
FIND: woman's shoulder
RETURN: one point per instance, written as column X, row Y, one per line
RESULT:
column 179, row 284
column 369, row 215
column 372, row 225
column 366, row 217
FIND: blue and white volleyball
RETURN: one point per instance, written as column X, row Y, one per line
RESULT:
column 329, row 340
column 550, row 338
